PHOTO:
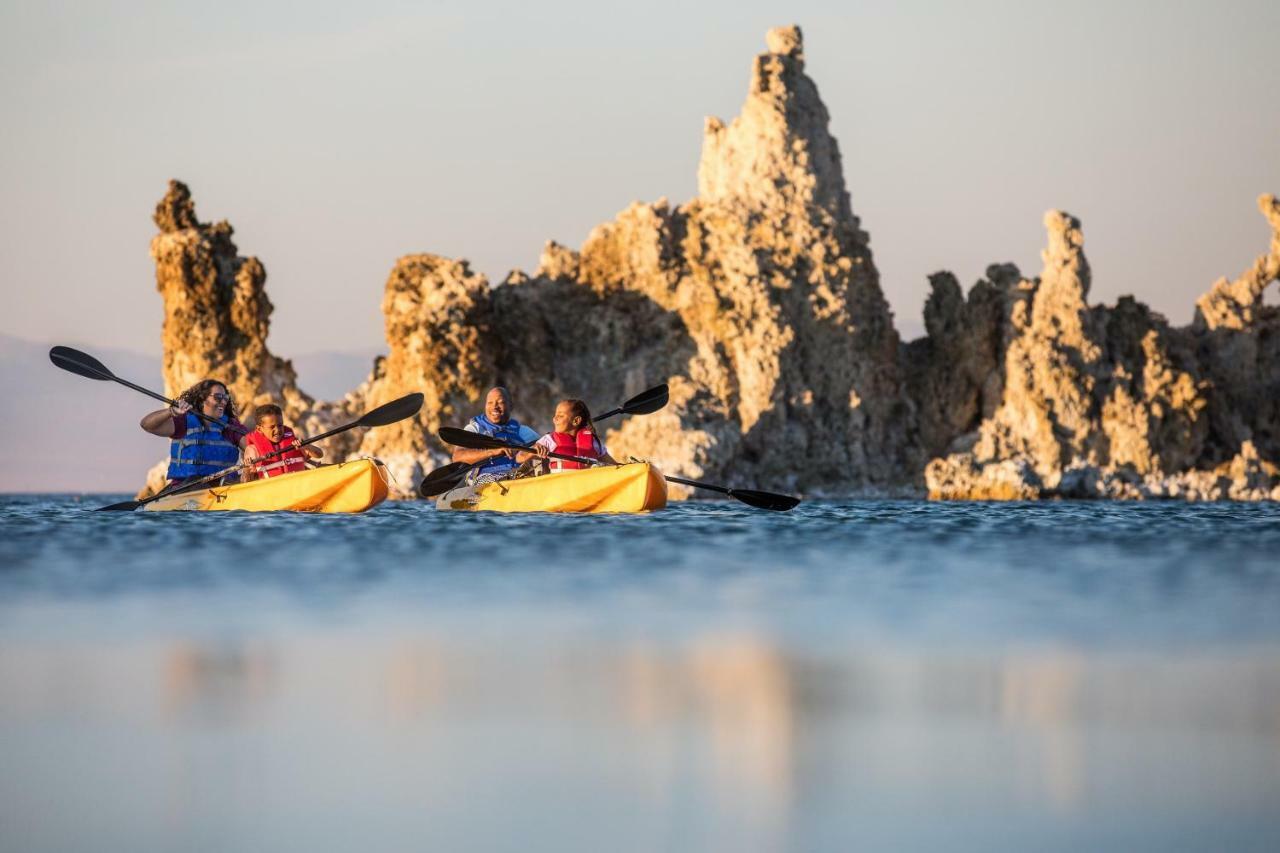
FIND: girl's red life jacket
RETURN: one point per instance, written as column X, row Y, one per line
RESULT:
column 285, row 463
column 583, row 444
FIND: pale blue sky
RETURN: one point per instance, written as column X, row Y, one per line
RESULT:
column 337, row 137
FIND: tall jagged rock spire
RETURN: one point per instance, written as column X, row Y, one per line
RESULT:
column 779, row 150
column 216, row 310
column 757, row 302
column 216, row 319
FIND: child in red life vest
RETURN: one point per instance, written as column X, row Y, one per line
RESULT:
column 573, row 435
column 271, row 435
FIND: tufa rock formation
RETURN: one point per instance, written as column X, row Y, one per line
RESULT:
column 1105, row 402
column 216, row 317
column 216, row 310
column 759, row 302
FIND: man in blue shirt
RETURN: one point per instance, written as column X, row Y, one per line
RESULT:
column 497, row 422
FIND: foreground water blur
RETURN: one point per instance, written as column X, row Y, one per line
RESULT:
column 875, row 675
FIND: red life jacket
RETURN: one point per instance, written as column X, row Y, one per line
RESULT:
column 583, row 444
column 285, row 463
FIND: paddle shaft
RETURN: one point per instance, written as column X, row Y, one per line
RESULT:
column 529, row 447
column 724, row 490
column 152, row 394
column 208, row 478
column 585, row 461
column 387, row 413
column 645, row 403
column 695, row 484
column 553, row 454
column 758, row 499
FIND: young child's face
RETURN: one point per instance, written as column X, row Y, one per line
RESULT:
column 270, row 426
column 563, row 418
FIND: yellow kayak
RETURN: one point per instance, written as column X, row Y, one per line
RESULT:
column 634, row 487
column 346, row 487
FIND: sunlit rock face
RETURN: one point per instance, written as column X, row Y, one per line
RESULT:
column 1108, row 401
column 216, row 317
column 216, row 310
column 439, row 321
column 759, row 303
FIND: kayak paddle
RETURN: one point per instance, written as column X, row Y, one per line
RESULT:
column 83, row 364
column 388, row 413
column 449, row 476
column 444, row 478
column 644, row 403
column 750, row 497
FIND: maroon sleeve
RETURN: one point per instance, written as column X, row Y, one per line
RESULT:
column 234, row 432
column 179, row 426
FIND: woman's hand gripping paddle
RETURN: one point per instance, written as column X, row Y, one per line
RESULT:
column 450, row 476
column 388, row 413
column 750, row 497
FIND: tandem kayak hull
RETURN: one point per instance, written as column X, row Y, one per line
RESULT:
column 634, row 487
column 346, row 487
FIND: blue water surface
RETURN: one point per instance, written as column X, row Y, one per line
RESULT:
column 876, row 674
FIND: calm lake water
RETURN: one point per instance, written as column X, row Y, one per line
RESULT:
column 863, row 675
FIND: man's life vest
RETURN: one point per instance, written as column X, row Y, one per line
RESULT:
column 510, row 431
column 583, row 444
column 202, row 450
column 286, row 463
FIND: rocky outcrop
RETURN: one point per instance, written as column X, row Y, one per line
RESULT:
column 759, row 303
column 216, row 317
column 216, row 310
column 439, row 320
column 1111, row 401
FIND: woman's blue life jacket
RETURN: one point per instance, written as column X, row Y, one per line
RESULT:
column 202, row 451
column 511, row 431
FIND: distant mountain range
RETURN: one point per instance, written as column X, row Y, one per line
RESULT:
column 64, row 433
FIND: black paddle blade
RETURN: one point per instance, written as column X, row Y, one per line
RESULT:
column 764, row 500
column 397, row 410
column 647, row 402
column 80, row 363
column 644, row 403
column 124, row 506
column 470, row 440
column 443, row 479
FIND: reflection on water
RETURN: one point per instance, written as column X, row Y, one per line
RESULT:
column 220, row 683
column 802, row 686
column 717, row 742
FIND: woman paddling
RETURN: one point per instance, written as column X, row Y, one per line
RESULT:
column 199, row 447
column 573, row 435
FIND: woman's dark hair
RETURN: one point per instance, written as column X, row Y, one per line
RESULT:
column 578, row 409
column 267, row 409
column 198, row 393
